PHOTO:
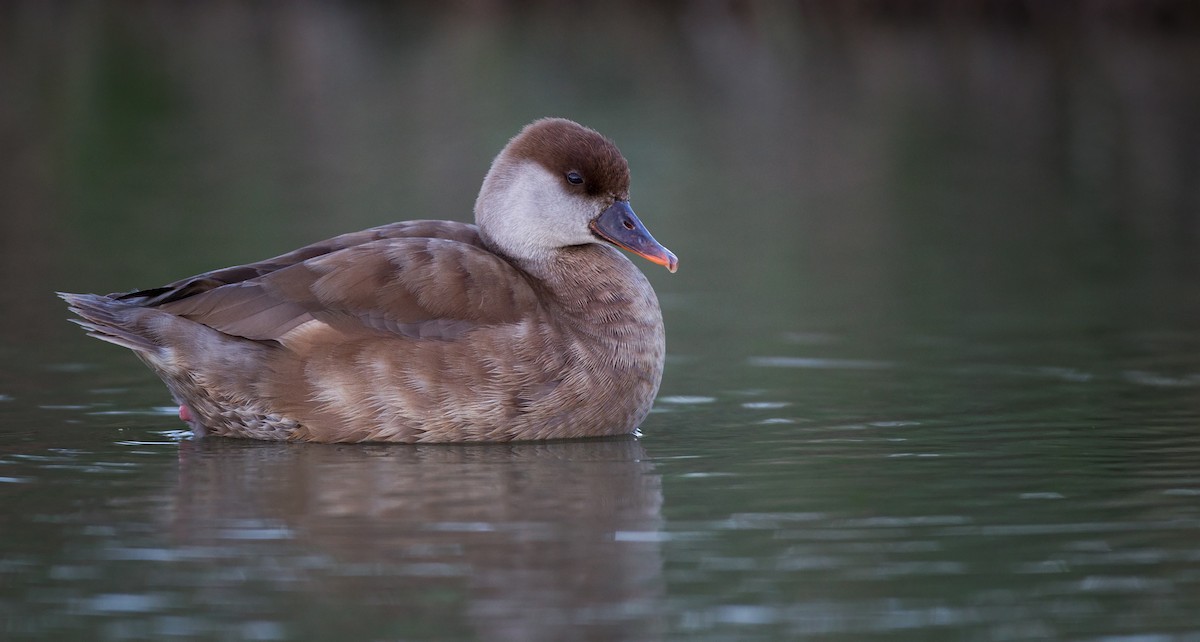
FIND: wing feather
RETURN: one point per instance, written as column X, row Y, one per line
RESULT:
column 417, row 287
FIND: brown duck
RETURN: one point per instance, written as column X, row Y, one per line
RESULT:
column 526, row 325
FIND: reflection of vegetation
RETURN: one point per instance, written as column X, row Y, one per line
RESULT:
column 115, row 117
column 851, row 161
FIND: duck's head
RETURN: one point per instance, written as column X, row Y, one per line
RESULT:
column 559, row 184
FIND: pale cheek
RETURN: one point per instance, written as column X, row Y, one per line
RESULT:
column 537, row 213
column 565, row 219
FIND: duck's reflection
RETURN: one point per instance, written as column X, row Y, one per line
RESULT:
column 526, row 541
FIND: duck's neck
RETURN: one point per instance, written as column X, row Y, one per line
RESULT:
column 599, row 289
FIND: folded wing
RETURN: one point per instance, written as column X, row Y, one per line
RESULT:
column 423, row 279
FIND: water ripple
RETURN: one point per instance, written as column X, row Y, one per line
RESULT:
column 819, row 363
column 687, row 399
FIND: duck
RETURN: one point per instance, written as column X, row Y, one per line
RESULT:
column 529, row 324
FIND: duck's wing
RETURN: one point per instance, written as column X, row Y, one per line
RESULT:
column 417, row 287
column 193, row 285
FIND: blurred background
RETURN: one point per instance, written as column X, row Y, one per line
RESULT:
column 875, row 159
column 938, row 272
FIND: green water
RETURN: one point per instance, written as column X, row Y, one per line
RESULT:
column 933, row 348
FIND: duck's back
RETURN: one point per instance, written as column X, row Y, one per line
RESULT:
column 183, row 288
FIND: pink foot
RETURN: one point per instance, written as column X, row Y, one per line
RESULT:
column 185, row 414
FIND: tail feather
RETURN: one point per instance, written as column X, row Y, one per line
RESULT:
column 108, row 320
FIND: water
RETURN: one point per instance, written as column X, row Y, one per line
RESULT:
column 939, row 495
column 933, row 362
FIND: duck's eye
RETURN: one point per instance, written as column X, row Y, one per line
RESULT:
column 574, row 178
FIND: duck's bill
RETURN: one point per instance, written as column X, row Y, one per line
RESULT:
column 620, row 226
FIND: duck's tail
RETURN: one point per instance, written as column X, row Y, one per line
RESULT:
column 110, row 320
